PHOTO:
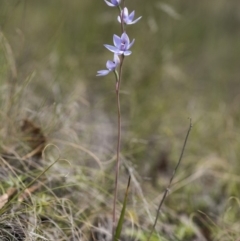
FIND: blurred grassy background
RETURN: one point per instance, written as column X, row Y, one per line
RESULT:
column 185, row 63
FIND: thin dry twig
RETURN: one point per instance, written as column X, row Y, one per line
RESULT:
column 171, row 179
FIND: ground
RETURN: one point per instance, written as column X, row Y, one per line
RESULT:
column 59, row 121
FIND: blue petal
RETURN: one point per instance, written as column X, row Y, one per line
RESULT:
column 125, row 12
column 111, row 65
column 131, row 16
column 131, row 44
column 136, row 20
column 117, row 41
column 116, row 2
column 116, row 59
column 110, row 4
column 112, row 48
column 102, row 72
column 125, row 38
column 119, row 19
column 127, row 52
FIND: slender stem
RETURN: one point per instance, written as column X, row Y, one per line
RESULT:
column 118, row 145
column 121, row 16
column 118, row 84
column 171, row 179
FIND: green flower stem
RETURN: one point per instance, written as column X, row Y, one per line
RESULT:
column 118, row 144
column 116, row 75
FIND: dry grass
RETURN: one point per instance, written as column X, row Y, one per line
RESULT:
column 185, row 63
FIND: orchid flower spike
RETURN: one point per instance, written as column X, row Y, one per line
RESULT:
column 121, row 45
column 127, row 18
column 113, row 3
column 111, row 66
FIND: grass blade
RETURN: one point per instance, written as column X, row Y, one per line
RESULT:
column 121, row 219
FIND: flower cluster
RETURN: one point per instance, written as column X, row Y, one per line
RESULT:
column 122, row 43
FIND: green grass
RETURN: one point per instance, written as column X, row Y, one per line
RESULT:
column 184, row 66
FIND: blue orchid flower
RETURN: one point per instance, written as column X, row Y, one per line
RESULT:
column 127, row 18
column 121, row 45
column 111, row 66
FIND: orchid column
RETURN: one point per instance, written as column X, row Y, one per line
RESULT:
column 121, row 47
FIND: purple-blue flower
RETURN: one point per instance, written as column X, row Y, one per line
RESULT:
column 127, row 18
column 121, row 45
column 111, row 66
column 113, row 3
